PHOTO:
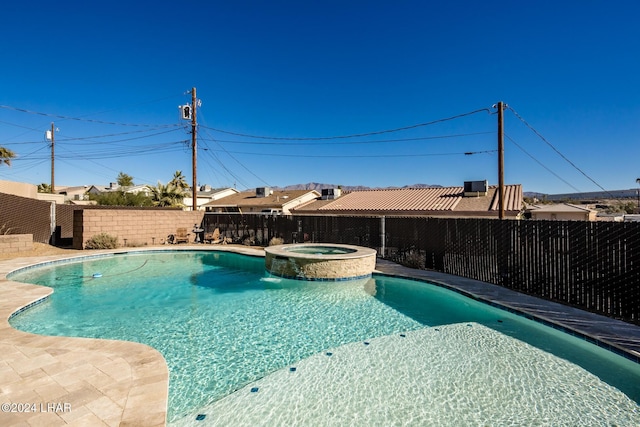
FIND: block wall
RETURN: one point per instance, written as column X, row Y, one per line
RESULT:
column 133, row 227
column 12, row 243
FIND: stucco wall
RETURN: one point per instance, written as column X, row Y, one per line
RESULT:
column 562, row 216
column 133, row 227
column 13, row 243
column 21, row 189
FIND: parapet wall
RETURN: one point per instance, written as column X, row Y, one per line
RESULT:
column 133, row 227
column 13, row 243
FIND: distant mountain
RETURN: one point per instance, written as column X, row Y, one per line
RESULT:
column 319, row 186
column 533, row 194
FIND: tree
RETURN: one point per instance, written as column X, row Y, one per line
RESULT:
column 179, row 181
column 120, row 198
column 6, row 155
column 44, row 188
column 167, row 195
column 124, row 180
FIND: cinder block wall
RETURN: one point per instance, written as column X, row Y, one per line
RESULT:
column 12, row 243
column 133, row 227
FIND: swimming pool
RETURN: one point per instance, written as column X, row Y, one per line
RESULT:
column 223, row 324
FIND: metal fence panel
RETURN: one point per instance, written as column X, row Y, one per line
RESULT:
column 591, row 265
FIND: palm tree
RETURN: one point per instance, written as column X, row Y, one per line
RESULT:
column 179, row 181
column 6, row 155
column 167, row 195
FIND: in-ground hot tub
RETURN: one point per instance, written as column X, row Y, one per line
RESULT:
column 320, row 261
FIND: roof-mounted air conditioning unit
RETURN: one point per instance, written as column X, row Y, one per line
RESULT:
column 475, row 188
column 263, row 191
column 330, row 193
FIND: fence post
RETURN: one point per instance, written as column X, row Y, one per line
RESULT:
column 52, row 219
column 382, row 235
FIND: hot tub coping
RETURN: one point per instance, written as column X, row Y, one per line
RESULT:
column 285, row 251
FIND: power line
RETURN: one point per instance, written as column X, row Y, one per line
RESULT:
column 132, row 151
column 355, row 135
column 82, row 119
column 230, row 155
column 224, row 167
column 65, row 140
column 557, row 151
column 467, row 153
column 117, row 134
column 540, row 163
column 423, row 138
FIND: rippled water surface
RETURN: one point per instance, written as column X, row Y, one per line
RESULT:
column 222, row 324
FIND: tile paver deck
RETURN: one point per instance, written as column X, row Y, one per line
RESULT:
column 82, row 381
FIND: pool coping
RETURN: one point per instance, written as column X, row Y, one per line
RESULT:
column 615, row 335
column 119, row 383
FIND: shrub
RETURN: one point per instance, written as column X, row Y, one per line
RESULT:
column 102, row 241
column 414, row 259
column 276, row 241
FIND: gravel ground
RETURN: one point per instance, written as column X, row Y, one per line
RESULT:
column 40, row 249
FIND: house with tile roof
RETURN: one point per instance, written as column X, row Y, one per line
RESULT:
column 206, row 194
column 562, row 212
column 444, row 202
column 262, row 201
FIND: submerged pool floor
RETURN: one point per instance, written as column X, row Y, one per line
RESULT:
column 453, row 375
column 367, row 376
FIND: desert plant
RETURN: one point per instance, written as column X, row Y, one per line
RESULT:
column 276, row 241
column 4, row 229
column 413, row 259
column 102, row 241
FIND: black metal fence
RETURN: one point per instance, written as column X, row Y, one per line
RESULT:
column 591, row 265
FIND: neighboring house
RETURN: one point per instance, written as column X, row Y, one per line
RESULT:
column 206, row 194
column 441, row 202
column 262, row 201
column 562, row 212
column 610, row 217
column 135, row 189
column 74, row 194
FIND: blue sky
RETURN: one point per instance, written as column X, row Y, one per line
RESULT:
column 111, row 75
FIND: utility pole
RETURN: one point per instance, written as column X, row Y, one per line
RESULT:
column 194, row 148
column 500, row 160
column 50, row 135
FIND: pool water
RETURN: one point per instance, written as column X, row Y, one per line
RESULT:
column 222, row 324
column 321, row 250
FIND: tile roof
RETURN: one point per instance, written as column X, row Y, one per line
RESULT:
column 560, row 207
column 248, row 198
column 413, row 201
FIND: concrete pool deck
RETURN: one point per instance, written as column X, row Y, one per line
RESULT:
column 52, row 381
